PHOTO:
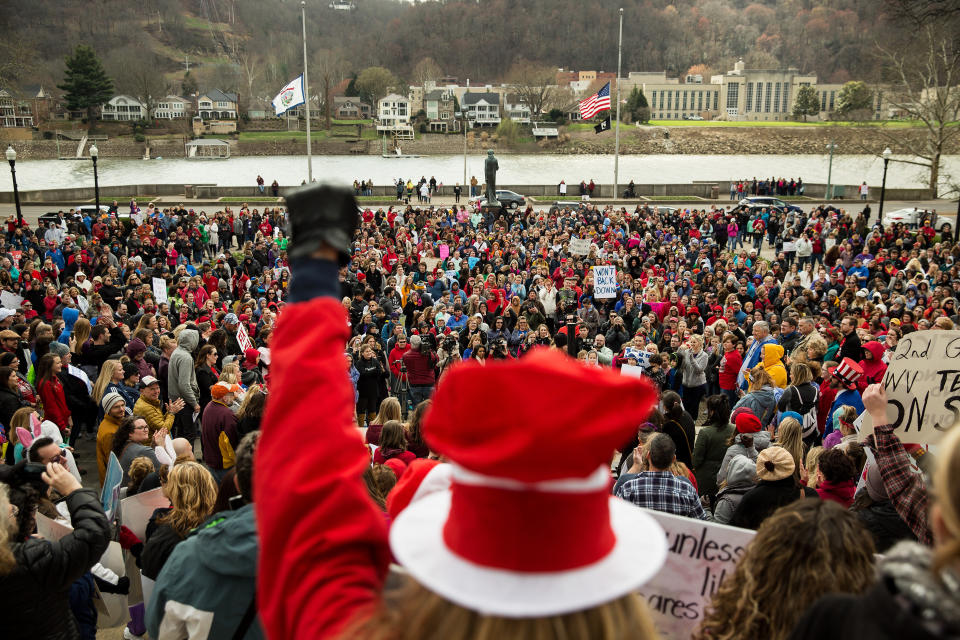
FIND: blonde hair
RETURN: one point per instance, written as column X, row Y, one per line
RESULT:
column 838, row 559
column 230, row 373
column 800, row 373
column 389, row 410
column 946, row 480
column 7, row 561
column 813, row 463
column 81, row 331
column 104, row 379
column 759, row 378
column 414, row 612
column 790, row 437
column 192, row 493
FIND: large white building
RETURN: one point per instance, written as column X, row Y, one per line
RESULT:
column 171, row 108
column 123, row 108
column 393, row 113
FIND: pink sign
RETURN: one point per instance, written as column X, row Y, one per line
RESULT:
column 444, row 252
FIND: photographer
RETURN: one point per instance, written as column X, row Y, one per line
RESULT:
column 36, row 574
column 420, row 361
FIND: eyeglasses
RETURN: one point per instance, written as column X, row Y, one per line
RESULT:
column 57, row 458
column 143, row 428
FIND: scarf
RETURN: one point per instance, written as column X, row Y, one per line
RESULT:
column 933, row 599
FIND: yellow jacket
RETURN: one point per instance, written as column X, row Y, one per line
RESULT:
column 772, row 362
column 154, row 415
column 105, row 433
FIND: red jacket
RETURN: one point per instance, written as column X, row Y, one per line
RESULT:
column 729, row 368
column 54, row 403
column 335, row 555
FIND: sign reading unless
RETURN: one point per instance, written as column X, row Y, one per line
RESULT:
column 605, row 282
column 923, row 387
column 700, row 555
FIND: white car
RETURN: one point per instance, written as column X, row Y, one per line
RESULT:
column 915, row 217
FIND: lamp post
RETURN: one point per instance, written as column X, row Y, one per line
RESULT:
column 12, row 159
column 883, row 185
column 94, row 153
column 830, row 147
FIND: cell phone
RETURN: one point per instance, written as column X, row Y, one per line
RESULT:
column 236, row 502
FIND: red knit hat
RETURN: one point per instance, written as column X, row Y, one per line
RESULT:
column 528, row 527
column 748, row 423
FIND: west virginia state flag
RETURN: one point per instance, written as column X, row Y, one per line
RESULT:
column 290, row 96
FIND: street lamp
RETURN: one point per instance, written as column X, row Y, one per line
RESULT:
column 12, row 159
column 883, row 186
column 830, row 147
column 94, row 153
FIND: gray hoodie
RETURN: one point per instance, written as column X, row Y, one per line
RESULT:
column 741, row 477
column 181, row 376
column 761, row 440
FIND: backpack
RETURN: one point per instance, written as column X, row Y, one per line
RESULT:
column 808, row 410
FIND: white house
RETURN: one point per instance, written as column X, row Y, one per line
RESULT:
column 171, row 107
column 393, row 113
column 123, row 108
column 516, row 109
column 483, row 108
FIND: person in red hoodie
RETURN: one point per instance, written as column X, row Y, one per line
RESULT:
column 873, row 365
column 835, row 474
column 518, row 531
column 51, row 393
column 730, row 365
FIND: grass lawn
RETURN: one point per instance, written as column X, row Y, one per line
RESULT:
column 789, row 123
column 254, row 200
column 672, row 198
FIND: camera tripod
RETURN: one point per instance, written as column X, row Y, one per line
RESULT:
column 401, row 389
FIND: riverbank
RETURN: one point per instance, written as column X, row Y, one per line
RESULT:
column 573, row 140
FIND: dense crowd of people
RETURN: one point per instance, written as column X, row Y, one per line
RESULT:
column 721, row 372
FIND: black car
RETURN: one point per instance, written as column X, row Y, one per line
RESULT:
column 507, row 199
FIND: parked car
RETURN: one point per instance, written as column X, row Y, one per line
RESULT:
column 769, row 202
column 507, row 199
column 693, row 117
column 915, row 217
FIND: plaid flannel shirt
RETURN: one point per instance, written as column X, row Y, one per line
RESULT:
column 662, row 491
column 903, row 482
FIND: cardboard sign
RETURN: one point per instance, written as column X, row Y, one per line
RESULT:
column 444, row 251
column 52, row 529
column 700, row 555
column 10, row 300
column 242, row 338
column 579, row 246
column 605, row 282
column 432, row 263
column 135, row 511
column 923, row 387
column 160, row 290
column 110, row 494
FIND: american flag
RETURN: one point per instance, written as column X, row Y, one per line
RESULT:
column 595, row 103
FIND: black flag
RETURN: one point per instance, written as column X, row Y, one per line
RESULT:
column 603, row 126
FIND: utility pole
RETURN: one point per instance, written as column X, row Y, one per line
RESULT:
column 830, row 147
column 306, row 89
column 616, row 152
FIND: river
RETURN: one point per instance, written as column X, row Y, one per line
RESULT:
column 448, row 169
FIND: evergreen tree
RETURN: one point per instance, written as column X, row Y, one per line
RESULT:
column 637, row 106
column 189, row 85
column 86, row 84
column 855, row 100
column 807, row 103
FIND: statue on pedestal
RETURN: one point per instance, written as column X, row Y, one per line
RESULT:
column 490, row 167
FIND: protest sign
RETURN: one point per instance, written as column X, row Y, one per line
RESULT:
column 10, row 300
column 605, row 282
column 444, row 251
column 451, row 273
column 16, row 255
column 631, row 370
column 242, row 338
column 432, row 263
column 110, row 494
column 700, row 555
column 135, row 511
column 51, row 529
column 579, row 246
column 923, row 387
column 160, row 290
column 112, row 606
column 640, row 355
column 472, row 261
column 789, row 247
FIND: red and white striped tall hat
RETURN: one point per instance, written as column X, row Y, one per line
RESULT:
column 528, row 527
column 848, row 371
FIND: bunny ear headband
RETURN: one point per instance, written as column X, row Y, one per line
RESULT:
column 25, row 437
column 165, row 454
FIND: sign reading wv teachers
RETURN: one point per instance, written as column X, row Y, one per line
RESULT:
column 605, row 282
column 699, row 556
column 923, row 387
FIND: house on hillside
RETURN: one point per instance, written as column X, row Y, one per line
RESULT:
column 482, row 108
column 439, row 105
column 123, row 108
column 393, row 112
column 350, row 108
column 516, row 108
column 15, row 111
column 171, row 107
column 216, row 104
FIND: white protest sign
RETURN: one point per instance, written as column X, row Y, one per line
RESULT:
column 923, row 387
column 10, row 300
column 135, row 511
column 700, row 555
column 605, row 282
column 432, row 263
column 52, row 529
column 160, row 290
column 631, row 370
column 789, row 247
column 242, row 338
column 579, row 246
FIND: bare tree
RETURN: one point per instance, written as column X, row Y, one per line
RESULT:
column 926, row 88
column 425, row 71
column 329, row 67
column 139, row 74
column 251, row 66
column 535, row 84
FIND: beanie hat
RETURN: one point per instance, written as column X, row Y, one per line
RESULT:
column 774, row 463
column 109, row 400
column 397, row 466
column 748, row 423
column 59, row 349
column 221, row 389
column 791, row 414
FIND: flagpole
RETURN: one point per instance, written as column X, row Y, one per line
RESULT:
column 616, row 153
column 306, row 89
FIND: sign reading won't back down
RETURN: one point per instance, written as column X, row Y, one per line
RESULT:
column 923, row 387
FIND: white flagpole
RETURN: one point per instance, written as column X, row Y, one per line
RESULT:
column 306, row 89
column 616, row 156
